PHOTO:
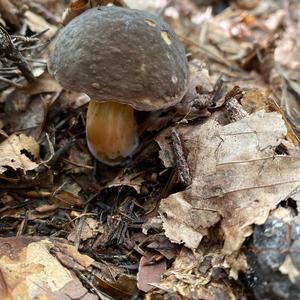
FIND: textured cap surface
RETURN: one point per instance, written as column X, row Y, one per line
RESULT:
column 118, row 54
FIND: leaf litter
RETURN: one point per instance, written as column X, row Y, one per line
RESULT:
column 212, row 189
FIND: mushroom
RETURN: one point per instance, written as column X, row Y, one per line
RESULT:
column 123, row 59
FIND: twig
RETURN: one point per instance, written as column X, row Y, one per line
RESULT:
column 32, row 47
column 9, row 51
column 56, row 156
column 11, row 82
column 78, row 165
column 23, row 39
column 181, row 164
column 100, row 295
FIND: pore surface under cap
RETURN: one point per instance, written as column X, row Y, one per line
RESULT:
column 119, row 54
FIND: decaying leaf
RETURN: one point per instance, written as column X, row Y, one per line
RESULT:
column 113, row 281
column 27, row 107
column 38, row 24
column 76, row 7
column 89, row 229
column 150, row 271
column 237, row 180
column 196, row 276
column 242, row 162
column 133, row 180
column 257, row 99
column 29, row 270
column 10, row 13
column 68, row 196
column 17, row 152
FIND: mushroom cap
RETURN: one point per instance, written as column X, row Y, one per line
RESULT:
column 125, row 55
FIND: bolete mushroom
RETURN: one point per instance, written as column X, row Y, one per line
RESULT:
column 123, row 59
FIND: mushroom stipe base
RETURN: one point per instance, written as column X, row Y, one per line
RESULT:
column 111, row 131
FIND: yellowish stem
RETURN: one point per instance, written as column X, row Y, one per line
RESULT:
column 111, row 131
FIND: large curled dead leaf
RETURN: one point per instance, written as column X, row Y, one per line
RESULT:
column 237, row 179
column 17, row 152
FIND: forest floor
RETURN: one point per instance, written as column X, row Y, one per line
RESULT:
column 207, row 207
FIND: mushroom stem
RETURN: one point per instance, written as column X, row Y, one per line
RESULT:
column 111, row 131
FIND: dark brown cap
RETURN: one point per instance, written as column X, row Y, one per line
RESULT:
column 118, row 54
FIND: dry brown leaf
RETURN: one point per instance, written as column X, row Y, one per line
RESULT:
column 26, row 108
column 70, row 100
column 286, row 73
column 133, row 180
column 16, row 151
column 161, row 244
column 43, row 84
column 255, row 100
column 29, row 271
column 150, row 272
column 89, row 229
column 287, row 54
column 67, row 200
column 237, row 180
column 76, row 7
column 114, row 281
column 37, row 23
column 10, row 13
column 192, row 277
column 68, row 195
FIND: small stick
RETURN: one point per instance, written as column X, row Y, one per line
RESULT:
column 10, row 82
column 100, row 295
column 181, row 164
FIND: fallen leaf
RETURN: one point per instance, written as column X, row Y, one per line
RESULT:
column 89, row 229
column 114, row 281
column 255, row 100
column 237, row 180
column 29, row 270
column 26, row 108
column 133, row 180
column 17, row 152
column 162, row 245
column 10, row 13
column 37, row 23
column 196, row 275
column 150, row 272
column 66, row 199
